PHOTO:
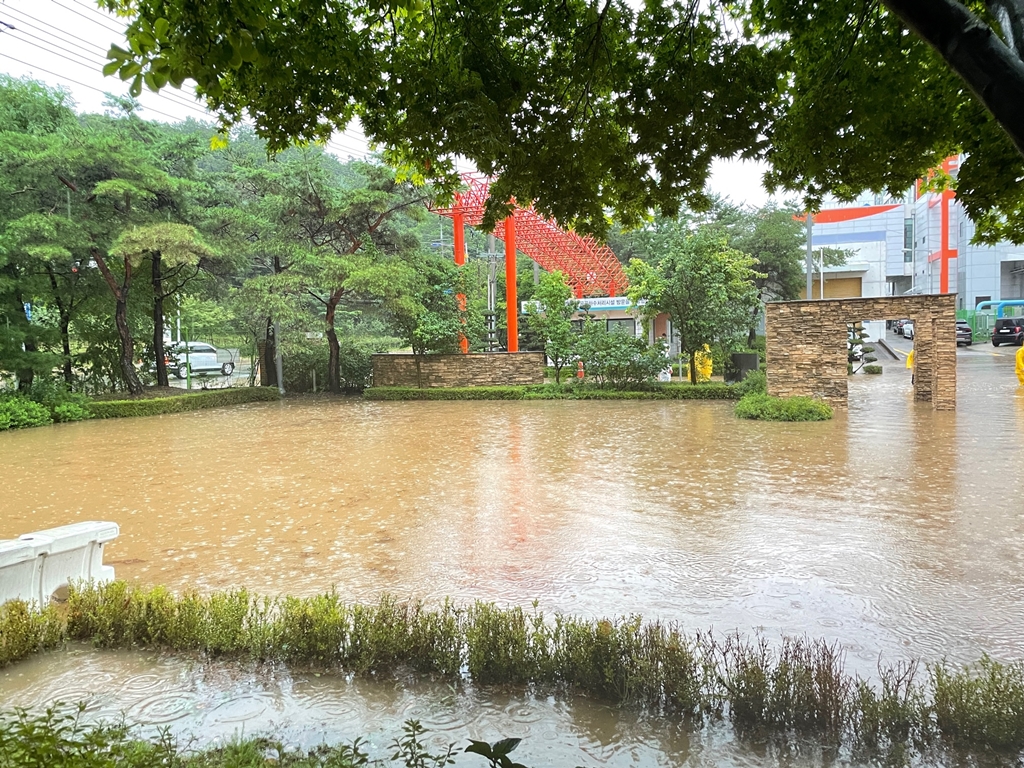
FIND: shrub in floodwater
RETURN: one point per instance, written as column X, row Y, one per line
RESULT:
column 875, row 369
column 802, row 685
column 892, row 718
column 500, row 645
column 754, row 381
column 769, row 408
column 793, row 689
column 981, row 704
column 24, row 630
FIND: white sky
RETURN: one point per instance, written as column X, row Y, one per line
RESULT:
column 64, row 42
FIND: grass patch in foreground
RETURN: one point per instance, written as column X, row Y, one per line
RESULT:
column 712, row 391
column 194, row 401
column 57, row 738
column 790, row 691
column 764, row 407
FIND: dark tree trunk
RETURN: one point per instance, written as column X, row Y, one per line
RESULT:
column 971, row 48
column 131, row 377
column 334, row 348
column 124, row 331
column 27, row 375
column 65, row 325
column 693, row 367
column 65, row 343
column 268, row 370
column 158, row 322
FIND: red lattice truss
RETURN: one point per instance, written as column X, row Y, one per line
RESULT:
column 589, row 266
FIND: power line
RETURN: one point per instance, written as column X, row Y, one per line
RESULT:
column 76, row 82
column 170, row 96
column 89, row 18
column 86, row 64
column 52, row 29
column 92, row 8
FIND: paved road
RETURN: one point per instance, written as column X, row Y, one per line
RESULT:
column 978, row 348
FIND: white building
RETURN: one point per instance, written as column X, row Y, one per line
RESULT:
column 918, row 245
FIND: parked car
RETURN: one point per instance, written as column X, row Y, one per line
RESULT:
column 201, row 359
column 897, row 326
column 908, row 329
column 1008, row 330
column 964, row 334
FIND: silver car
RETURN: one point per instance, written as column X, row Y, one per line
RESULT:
column 201, row 359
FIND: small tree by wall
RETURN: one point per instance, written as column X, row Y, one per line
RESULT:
column 552, row 322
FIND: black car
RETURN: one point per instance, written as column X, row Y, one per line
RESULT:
column 1008, row 330
column 964, row 334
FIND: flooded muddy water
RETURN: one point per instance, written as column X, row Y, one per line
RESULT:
column 893, row 529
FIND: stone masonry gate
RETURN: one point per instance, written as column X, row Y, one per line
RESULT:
column 806, row 345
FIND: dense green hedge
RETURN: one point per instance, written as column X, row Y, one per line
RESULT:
column 44, row 403
column 794, row 689
column 764, row 407
column 112, row 409
column 711, row 391
column 20, row 412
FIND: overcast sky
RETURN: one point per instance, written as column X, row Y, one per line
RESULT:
column 64, row 42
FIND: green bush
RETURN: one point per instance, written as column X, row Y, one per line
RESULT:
column 18, row 412
column 355, row 364
column 767, row 408
column 755, row 381
column 71, row 412
column 620, row 359
column 214, row 398
column 872, row 369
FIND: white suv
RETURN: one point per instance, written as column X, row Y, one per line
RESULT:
column 202, row 358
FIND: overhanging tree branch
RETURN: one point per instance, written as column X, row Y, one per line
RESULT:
column 973, row 50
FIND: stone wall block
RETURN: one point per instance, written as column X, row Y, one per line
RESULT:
column 806, row 345
column 474, row 370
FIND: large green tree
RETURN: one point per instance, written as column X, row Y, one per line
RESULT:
column 773, row 237
column 594, row 105
column 705, row 287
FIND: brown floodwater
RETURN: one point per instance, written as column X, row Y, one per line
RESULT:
column 895, row 530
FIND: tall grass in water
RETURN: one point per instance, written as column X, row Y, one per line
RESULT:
column 794, row 690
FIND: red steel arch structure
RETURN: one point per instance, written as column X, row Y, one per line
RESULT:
column 589, row 266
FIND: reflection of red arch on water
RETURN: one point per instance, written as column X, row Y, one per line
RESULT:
column 590, row 267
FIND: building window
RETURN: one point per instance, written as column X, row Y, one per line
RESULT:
column 624, row 325
column 908, row 240
column 979, row 299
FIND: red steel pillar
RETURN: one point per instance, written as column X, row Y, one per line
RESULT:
column 459, row 223
column 511, row 300
column 946, row 253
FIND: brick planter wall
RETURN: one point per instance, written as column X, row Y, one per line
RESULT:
column 806, row 345
column 482, row 370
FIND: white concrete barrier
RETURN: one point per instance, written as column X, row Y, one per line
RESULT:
column 37, row 566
